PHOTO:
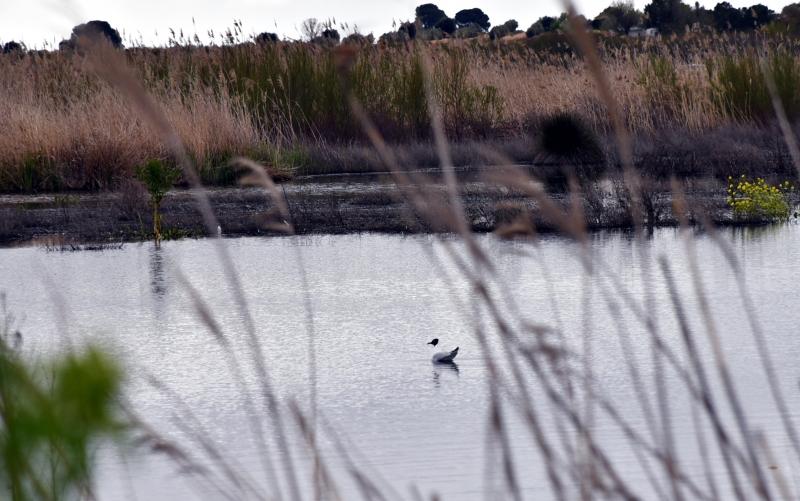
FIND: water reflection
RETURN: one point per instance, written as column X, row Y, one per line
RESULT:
column 440, row 368
column 158, row 283
column 744, row 234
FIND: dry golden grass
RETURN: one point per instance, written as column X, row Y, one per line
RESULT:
column 88, row 138
column 66, row 129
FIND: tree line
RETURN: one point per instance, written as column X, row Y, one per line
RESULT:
column 621, row 17
column 432, row 23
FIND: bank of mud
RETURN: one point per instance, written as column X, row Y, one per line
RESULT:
column 333, row 207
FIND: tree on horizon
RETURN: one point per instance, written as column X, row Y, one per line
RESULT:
column 474, row 16
column 429, row 15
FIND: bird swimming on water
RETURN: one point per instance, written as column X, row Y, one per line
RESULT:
column 443, row 357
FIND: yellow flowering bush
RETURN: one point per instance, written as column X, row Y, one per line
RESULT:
column 758, row 199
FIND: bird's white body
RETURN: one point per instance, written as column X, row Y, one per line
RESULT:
column 445, row 357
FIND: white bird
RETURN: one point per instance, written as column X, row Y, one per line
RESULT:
column 443, row 357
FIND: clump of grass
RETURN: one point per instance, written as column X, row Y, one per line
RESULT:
column 158, row 177
column 739, row 87
column 566, row 135
column 571, row 142
column 660, row 80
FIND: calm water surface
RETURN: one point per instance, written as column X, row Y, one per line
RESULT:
column 376, row 301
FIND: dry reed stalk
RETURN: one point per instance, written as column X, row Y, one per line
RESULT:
column 669, row 464
column 234, row 366
column 259, row 177
column 78, row 132
column 111, row 67
column 160, row 444
column 187, row 422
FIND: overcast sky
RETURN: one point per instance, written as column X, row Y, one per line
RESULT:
column 34, row 21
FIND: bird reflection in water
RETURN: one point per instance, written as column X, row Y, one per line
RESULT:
column 440, row 368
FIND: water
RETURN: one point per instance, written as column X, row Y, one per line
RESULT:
column 376, row 301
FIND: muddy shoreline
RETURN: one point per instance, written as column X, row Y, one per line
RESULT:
column 333, row 207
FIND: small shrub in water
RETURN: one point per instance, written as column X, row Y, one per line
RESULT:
column 158, row 178
column 758, row 200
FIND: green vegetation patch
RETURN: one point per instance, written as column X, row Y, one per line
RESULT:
column 758, row 200
column 739, row 86
column 51, row 418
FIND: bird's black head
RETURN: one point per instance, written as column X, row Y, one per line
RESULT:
column 434, row 342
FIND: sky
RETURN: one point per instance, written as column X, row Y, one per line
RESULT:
column 36, row 21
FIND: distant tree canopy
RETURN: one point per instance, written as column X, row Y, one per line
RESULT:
column 433, row 23
column 790, row 19
column 727, row 17
column 327, row 36
column 410, row 29
column 545, row 24
column 330, row 34
column 762, row 14
column 621, row 16
column 673, row 16
column 474, row 16
column 503, row 30
column 447, row 25
column 668, row 16
column 393, row 38
column 266, row 38
column 359, row 39
column 310, row 28
column 429, row 15
column 791, row 11
column 754, row 16
column 92, row 31
column 13, row 47
column 320, row 32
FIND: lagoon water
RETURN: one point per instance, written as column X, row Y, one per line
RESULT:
column 376, row 300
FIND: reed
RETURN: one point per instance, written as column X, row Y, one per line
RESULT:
column 65, row 129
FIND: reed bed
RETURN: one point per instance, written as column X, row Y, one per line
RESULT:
column 66, row 129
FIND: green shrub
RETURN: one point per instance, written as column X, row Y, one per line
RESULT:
column 758, row 200
column 158, row 178
column 50, row 426
column 466, row 108
column 32, row 174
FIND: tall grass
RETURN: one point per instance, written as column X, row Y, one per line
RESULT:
column 739, row 86
column 66, row 129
